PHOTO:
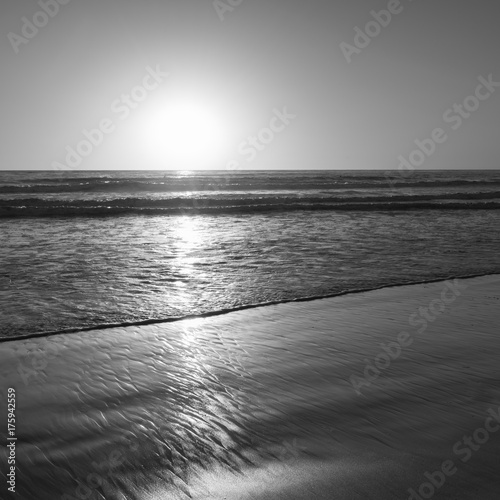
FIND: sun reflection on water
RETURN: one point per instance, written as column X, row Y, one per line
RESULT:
column 185, row 173
column 187, row 234
column 187, row 242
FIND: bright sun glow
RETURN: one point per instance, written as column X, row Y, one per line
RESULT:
column 183, row 133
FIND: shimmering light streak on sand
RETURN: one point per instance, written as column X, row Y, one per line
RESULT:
column 195, row 359
column 259, row 402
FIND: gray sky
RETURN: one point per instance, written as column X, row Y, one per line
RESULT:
column 225, row 78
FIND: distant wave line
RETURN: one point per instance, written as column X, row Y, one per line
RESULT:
column 50, row 208
column 215, row 184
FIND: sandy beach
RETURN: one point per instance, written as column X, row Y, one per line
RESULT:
column 392, row 393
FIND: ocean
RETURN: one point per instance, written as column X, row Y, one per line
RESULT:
column 87, row 249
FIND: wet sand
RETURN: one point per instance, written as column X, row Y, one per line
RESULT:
column 363, row 396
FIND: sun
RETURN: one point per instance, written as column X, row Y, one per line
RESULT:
column 183, row 133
